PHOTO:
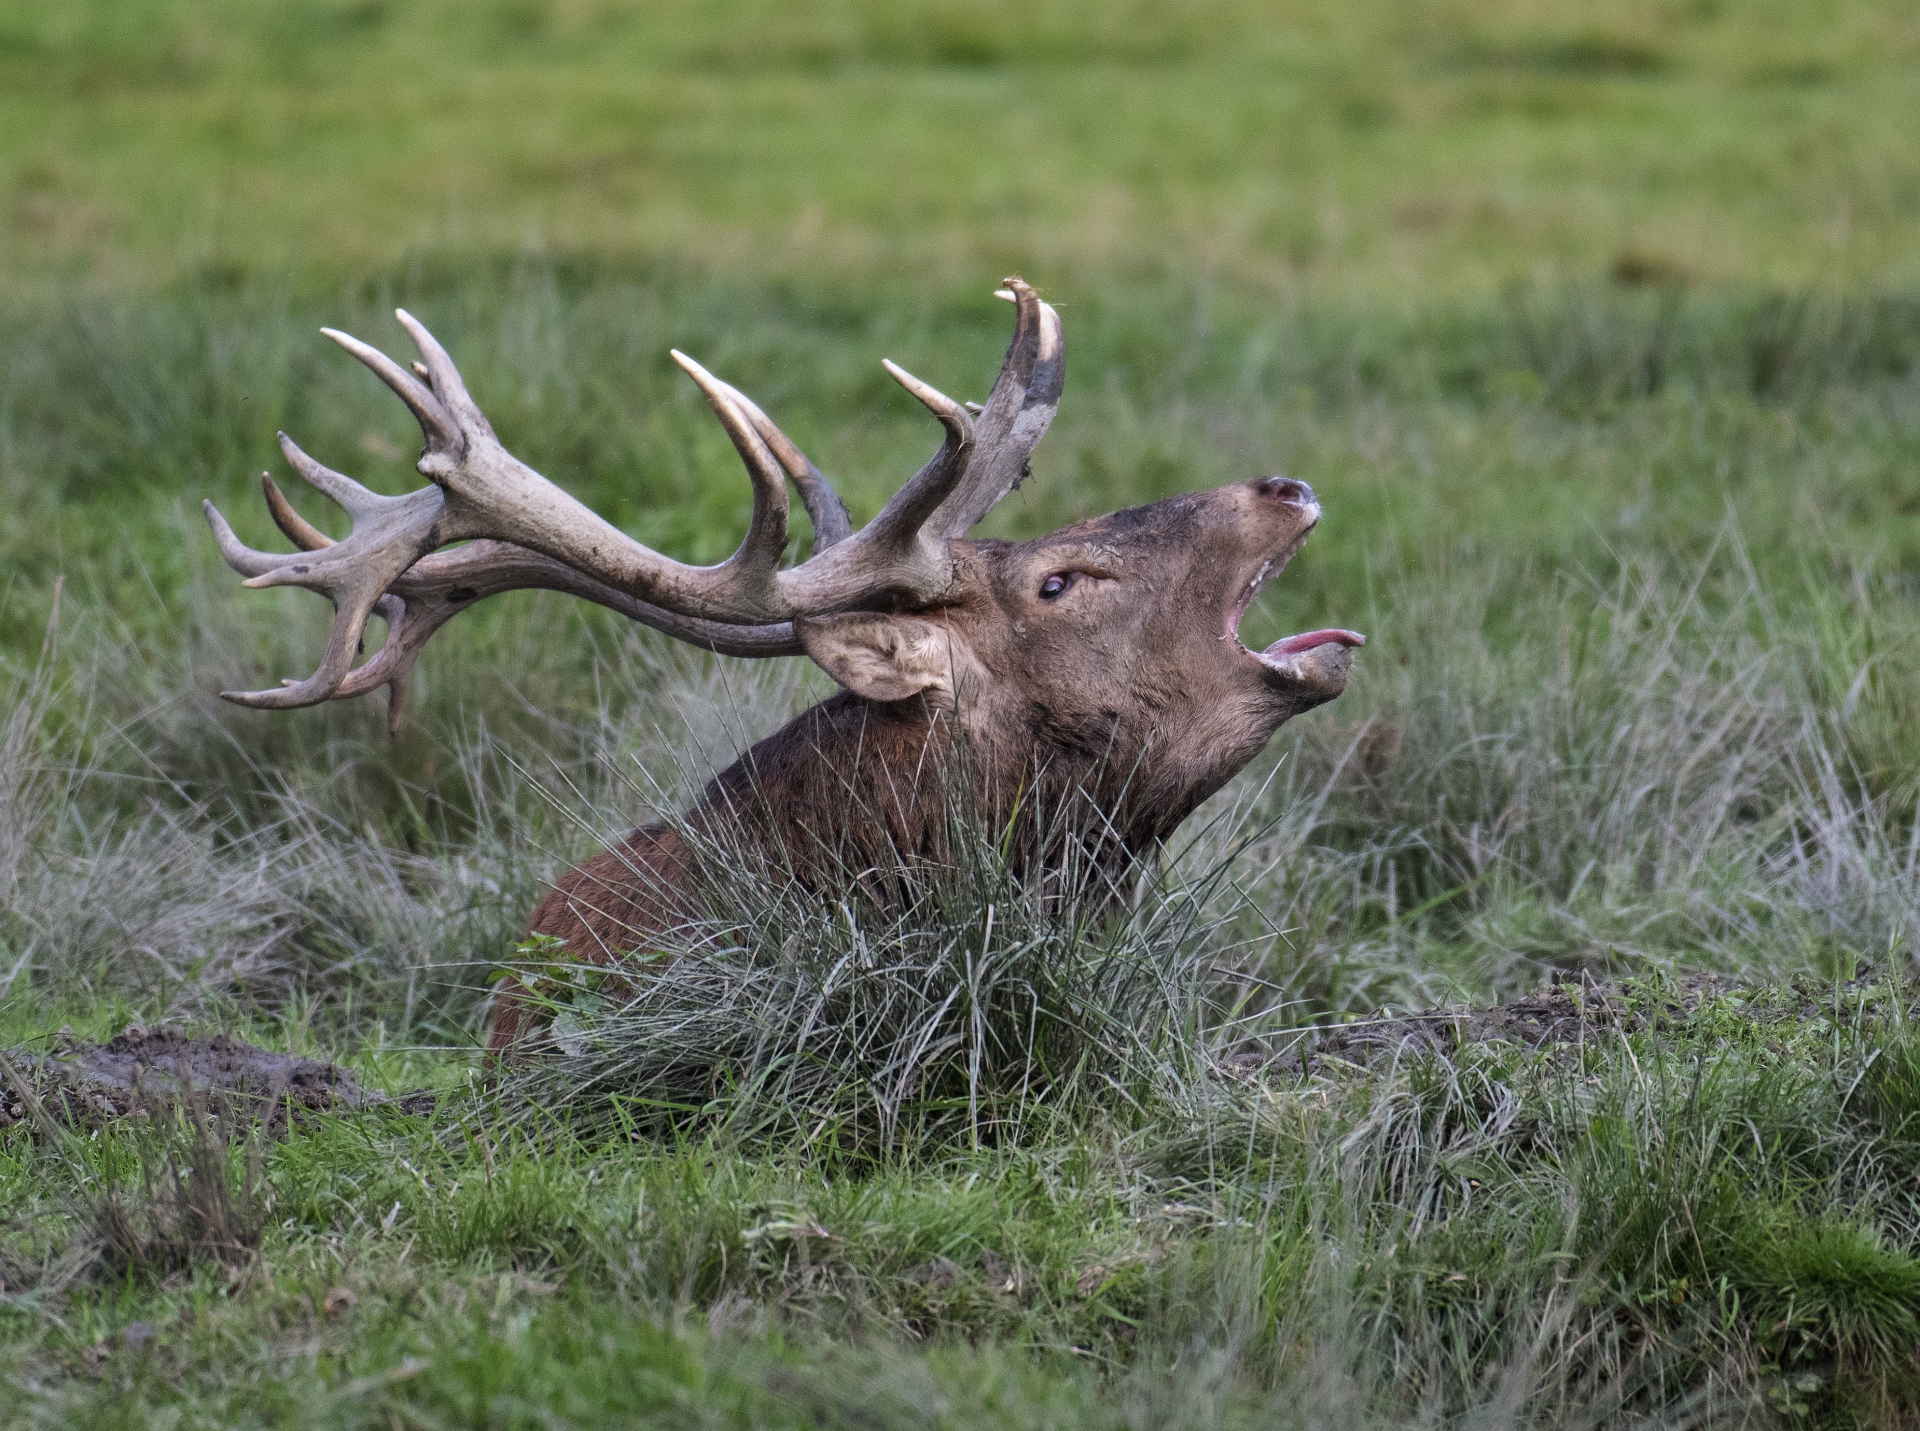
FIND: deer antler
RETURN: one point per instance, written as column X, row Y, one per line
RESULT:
column 439, row 587
column 1017, row 414
column 524, row 532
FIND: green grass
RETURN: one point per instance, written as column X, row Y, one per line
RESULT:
column 1597, row 329
column 1704, row 1217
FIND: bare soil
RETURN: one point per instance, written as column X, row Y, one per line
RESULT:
column 142, row 1071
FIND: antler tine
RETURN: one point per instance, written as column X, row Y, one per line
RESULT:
column 345, row 492
column 438, row 368
column 354, row 605
column 236, row 553
column 298, row 529
column 825, row 510
column 952, row 415
column 409, row 627
column 437, row 424
column 766, row 535
column 1016, row 415
column 898, row 551
column 900, row 521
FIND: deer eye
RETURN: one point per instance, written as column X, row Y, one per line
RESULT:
column 1055, row 584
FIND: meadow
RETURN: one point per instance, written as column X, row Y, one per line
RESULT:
column 1596, row 329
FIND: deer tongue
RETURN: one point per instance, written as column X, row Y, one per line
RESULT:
column 1306, row 641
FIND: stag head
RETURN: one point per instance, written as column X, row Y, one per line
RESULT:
column 1108, row 653
column 1102, row 660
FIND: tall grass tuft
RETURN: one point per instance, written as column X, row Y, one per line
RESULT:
column 948, row 997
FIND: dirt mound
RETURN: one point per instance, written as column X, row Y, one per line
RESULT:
column 1568, row 1013
column 144, row 1070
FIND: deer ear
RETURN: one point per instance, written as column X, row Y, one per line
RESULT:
column 880, row 657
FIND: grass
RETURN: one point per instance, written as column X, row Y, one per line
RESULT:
column 1334, row 148
column 1708, row 1218
column 1595, row 328
column 1654, row 722
column 1702, row 1218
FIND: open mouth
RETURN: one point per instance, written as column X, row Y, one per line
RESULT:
column 1282, row 657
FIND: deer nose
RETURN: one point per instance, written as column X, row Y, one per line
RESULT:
column 1285, row 489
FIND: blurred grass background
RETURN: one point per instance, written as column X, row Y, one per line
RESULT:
column 1373, row 241
column 1390, row 152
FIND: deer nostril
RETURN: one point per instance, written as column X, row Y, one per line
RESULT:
column 1285, row 489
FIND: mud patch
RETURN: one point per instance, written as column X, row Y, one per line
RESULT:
column 144, row 1071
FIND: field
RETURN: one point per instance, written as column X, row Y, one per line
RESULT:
column 1597, row 330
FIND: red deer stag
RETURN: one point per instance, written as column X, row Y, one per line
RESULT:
column 1101, row 663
